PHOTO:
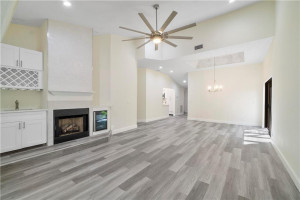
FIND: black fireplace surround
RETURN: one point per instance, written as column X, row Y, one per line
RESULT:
column 70, row 124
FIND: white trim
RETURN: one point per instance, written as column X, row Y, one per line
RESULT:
column 120, row 130
column 224, row 122
column 70, row 93
column 287, row 165
column 141, row 120
column 156, row 118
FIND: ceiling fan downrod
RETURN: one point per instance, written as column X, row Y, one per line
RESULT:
column 156, row 6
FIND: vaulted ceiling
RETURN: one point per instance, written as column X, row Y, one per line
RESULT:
column 106, row 16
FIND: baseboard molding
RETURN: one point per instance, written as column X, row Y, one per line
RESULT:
column 156, row 118
column 120, row 130
column 141, row 120
column 287, row 166
column 223, row 122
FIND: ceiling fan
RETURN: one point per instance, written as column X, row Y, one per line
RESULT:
column 158, row 36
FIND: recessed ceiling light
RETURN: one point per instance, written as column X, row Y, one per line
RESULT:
column 67, row 3
column 231, row 1
column 184, row 81
column 171, row 71
column 160, row 67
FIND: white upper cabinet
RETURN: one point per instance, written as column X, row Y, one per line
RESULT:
column 12, row 56
column 9, row 55
column 30, row 59
column 21, row 68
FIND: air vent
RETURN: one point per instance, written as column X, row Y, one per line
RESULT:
column 199, row 47
column 222, row 60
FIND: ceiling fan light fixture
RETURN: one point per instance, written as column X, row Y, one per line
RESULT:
column 156, row 39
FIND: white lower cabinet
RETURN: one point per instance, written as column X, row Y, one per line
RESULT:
column 22, row 129
column 10, row 136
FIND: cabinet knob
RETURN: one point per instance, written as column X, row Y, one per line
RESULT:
column 20, row 126
column 23, row 124
column 17, row 62
column 21, row 63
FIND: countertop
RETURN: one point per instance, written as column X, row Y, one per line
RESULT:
column 21, row 110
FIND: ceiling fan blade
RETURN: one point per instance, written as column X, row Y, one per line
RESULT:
column 156, row 47
column 146, row 22
column 168, row 21
column 143, row 44
column 180, row 37
column 138, row 38
column 181, row 28
column 170, row 43
column 129, row 29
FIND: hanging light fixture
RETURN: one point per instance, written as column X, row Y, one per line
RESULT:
column 215, row 87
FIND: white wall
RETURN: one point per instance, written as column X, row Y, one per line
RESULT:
column 285, row 65
column 155, row 82
column 69, row 57
column 240, row 102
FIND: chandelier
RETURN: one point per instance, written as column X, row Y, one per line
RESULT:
column 215, row 87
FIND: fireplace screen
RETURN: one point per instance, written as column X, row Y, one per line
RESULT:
column 100, row 120
column 72, row 125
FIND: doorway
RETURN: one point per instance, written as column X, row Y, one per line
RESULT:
column 171, row 102
column 268, row 105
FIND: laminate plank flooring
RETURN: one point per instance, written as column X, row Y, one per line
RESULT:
column 167, row 159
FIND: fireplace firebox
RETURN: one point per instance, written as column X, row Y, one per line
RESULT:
column 70, row 124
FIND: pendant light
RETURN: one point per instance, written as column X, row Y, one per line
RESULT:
column 215, row 87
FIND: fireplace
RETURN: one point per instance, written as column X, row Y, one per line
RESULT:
column 70, row 124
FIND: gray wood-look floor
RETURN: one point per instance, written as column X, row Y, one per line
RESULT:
column 167, row 159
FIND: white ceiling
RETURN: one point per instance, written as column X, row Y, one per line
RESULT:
column 254, row 52
column 106, row 16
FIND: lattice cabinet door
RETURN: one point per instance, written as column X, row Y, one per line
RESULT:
column 15, row 78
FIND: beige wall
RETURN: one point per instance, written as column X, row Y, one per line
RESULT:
column 115, row 80
column 101, row 70
column 141, row 91
column 250, row 23
column 31, row 38
column 285, row 66
column 151, row 106
column 123, row 84
column 7, row 12
column 240, row 102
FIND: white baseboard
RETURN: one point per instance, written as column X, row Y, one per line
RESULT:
column 141, row 120
column 223, row 121
column 120, row 130
column 156, row 118
column 287, row 166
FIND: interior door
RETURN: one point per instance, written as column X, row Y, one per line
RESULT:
column 30, row 59
column 33, row 133
column 268, row 105
column 9, row 55
column 10, row 136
